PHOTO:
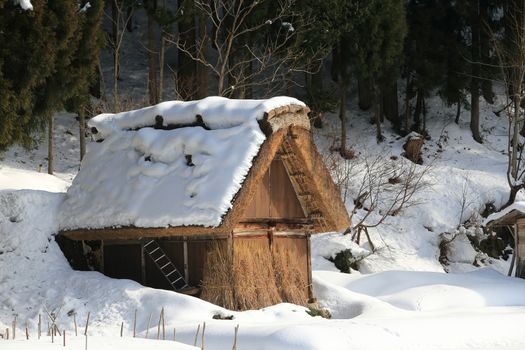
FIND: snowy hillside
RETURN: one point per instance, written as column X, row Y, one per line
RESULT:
column 400, row 286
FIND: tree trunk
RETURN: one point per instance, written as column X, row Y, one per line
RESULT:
column 377, row 113
column 186, row 69
column 50, row 144
column 152, row 61
column 82, row 133
column 202, row 72
column 115, row 19
column 474, row 81
column 364, row 91
column 342, row 117
column 458, row 112
column 129, row 14
column 417, row 111
column 407, row 104
column 390, row 103
column 161, row 66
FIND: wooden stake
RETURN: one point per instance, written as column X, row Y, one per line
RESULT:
column 174, row 333
column 234, row 347
column 7, row 333
column 14, row 328
column 149, row 323
column 202, row 339
column 52, row 336
column 87, row 323
column 163, row 326
column 197, row 334
column 39, row 325
column 121, row 329
column 135, row 324
column 75, row 323
column 64, row 334
column 48, row 329
column 158, row 326
column 85, row 348
column 27, row 332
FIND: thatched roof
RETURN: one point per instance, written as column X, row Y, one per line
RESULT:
column 194, row 169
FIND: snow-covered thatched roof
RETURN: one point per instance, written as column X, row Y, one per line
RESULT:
column 172, row 164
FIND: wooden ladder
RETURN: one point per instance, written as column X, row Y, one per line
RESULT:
column 166, row 267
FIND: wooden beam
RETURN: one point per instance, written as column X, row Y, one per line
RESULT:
column 135, row 233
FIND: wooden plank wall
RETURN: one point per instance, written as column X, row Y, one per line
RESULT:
column 275, row 196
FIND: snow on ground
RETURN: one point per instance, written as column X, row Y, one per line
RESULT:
column 99, row 343
column 400, row 299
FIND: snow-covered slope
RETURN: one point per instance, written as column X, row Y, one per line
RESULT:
column 376, row 308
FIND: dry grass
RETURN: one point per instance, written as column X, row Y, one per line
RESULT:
column 256, row 277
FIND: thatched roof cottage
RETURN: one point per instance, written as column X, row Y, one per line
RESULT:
column 216, row 196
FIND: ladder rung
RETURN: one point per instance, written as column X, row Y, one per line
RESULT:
column 171, row 273
column 165, row 265
column 154, row 250
column 178, row 279
column 147, row 244
column 159, row 258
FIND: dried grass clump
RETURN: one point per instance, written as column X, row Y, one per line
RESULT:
column 255, row 277
column 255, row 285
column 290, row 277
column 218, row 279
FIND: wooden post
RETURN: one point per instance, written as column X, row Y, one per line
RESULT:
column 202, row 339
column 174, row 333
column 39, row 325
column 149, row 323
column 7, row 333
column 14, row 327
column 234, row 347
column 27, row 332
column 163, row 326
column 52, row 335
column 85, row 348
column 142, row 263
column 64, row 336
column 75, row 323
column 135, row 324
column 158, row 326
column 185, row 254
column 309, row 267
column 197, row 334
column 87, row 324
column 121, row 329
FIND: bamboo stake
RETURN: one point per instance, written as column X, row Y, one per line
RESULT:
column 158, row 326
column 27, row 332
column 87, row 323
column 135, row 324
column 39, row 325
column 85, row 348
column 163, row 326
column 14, row 328
column 121, row 329
column 174, row 333
column 48, row 329
column 75, row 322
column 234, row 347
column 197, row 334
column 52, row 336
column 7, row 333
column 202, row 339
column 64, row 334
column 149, row 323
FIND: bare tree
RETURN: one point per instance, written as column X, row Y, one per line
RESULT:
column 511, row 55
column 385, row 189
column 255, row 43
column 120, row 17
